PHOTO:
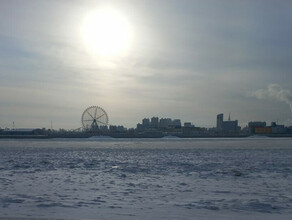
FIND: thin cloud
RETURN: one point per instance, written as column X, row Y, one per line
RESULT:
column 274, row 92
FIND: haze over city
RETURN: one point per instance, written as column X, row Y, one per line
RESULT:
column 180, row 59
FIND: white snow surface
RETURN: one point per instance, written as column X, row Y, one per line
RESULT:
column 121, row 179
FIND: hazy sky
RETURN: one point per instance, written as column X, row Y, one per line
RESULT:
column 186, row 59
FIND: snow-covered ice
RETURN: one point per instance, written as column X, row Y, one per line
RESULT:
column 146, row 179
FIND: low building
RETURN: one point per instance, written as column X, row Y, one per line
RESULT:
column 24, row 131
column 257, row 124
column 278, row 129
column 113, row 128
column 226, row 126
column 230, row 126
column 252, row 124
column 262, row 130
column 121, row 128
column 140, row 127
column 176, row 123
column 188, row 125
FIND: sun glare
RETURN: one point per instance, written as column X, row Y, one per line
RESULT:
column 106, row 32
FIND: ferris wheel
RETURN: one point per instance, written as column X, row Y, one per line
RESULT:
column 93, row 117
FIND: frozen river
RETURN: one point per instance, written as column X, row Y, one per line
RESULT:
column 121, row 179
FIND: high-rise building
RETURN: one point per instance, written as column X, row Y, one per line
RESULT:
column 154, row 122
column 165, row 122
column 146, row 123
column 220, row 122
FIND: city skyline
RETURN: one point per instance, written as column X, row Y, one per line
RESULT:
column 174, row 59
column 95, row 123
column 151, row 122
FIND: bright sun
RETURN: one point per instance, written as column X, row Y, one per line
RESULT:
column 106, row 32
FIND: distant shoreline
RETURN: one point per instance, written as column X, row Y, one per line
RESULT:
column 140, row 136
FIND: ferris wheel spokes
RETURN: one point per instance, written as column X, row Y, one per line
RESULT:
column 90, row 115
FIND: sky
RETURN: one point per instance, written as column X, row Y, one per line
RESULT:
column 186, row 59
